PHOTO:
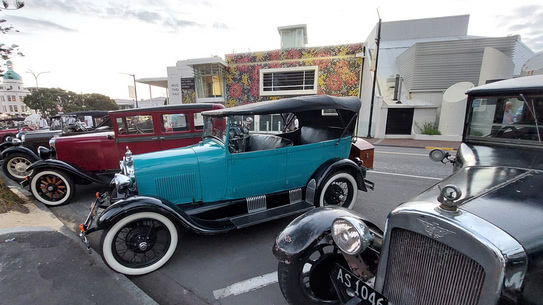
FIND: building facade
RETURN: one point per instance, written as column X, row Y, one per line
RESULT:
column 12, row 93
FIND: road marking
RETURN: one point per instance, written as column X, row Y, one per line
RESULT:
column 399, row 153
column 405, row 175
column 442, row 148
column 246, row 286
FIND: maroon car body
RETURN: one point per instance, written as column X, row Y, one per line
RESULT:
column 94, row 157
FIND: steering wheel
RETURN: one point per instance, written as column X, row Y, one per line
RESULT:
column 237, row 135
column 138, row 129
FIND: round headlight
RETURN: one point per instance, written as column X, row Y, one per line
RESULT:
column 351, row 235
column 16, row 141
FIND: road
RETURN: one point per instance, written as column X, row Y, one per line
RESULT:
column 238, row 267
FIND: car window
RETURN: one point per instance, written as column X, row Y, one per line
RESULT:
column 175, row 122
column 135, row 124
column 198, row 121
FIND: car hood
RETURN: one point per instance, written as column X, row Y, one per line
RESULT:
column 508, row 197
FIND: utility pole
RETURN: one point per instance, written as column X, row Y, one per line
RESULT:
column 378, row 42
column 135, row 90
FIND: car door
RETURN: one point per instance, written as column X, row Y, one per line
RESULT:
column 137, row 131
column 177, row 129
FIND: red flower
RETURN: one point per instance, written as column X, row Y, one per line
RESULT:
column 256, row 73
column 323, row 63
column 350, row 79
column 254, row 90
column 235, row 90
column 274, row 55
column 334, row 82
column 274, row 65
column 293, row 54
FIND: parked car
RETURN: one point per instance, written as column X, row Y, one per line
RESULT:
column 10, row 127
column 236, row 177
column 94, row 157
column 21, row 151
column 473, row 238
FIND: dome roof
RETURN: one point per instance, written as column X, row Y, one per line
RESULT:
column 12, row 75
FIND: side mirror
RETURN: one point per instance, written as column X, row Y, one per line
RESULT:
column 438, row 155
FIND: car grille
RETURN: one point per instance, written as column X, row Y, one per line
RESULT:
column 421, row 270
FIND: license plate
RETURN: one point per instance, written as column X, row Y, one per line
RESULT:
column 348, row 287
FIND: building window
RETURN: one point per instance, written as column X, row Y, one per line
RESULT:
column 10, row 108
column 289, row 81
column 5, row 108
column 21, row 99
column 209, row 80
column 9, row 98
column 2, row 98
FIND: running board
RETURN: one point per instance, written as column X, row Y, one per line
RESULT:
column 270, row 214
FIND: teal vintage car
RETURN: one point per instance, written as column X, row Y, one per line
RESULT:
column 255, row 163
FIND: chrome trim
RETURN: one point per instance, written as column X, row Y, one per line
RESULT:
column 310, row 191
column 256, row 203
column 484, row 242
column 295, row 195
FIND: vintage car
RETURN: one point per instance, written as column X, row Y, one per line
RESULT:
column 10, row 127
column 256, row 162
column 94, row 157
column 474, row 238
column 19, row 152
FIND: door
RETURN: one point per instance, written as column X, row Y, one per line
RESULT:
column 399, row 121
column 179, row 129
column 138, row 132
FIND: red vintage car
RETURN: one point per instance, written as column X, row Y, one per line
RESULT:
column 88, row 158
column 10, row 128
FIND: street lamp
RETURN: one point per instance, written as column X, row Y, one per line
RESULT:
column 135, row 90
column 36, row 76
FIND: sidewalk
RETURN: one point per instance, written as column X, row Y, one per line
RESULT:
column 428, row 144
column 42, row 261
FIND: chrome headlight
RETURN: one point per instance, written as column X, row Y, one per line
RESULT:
column 127, row 164
column 52, row 143
column 16, row 141
column 23, row 137
column 351, row 235
column 121, row 181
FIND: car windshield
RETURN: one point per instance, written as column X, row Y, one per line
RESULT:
column 215, row 127
column 507, row 119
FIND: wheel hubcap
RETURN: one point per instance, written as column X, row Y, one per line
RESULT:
column 51, row 188
column 143, row 246
column 17, row 167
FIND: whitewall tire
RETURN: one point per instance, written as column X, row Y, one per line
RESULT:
column 52, row 187
column 140, row 241
column 340, row 189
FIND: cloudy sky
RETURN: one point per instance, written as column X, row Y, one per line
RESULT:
column 87, row 44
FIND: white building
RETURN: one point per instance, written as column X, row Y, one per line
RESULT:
column 12, row 93
column 129, row 103
column 418, row 61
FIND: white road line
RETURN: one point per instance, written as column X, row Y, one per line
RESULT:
column 246, row 286
column 399, row 153
column 405, row 175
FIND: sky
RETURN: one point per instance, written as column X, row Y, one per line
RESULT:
column 87, row 45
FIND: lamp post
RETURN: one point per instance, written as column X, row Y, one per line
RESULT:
column 36, row 76
column 135, row 90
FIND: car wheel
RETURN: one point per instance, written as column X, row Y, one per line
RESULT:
column 139, row 243
column 52, row 187
column 15, row 165
column 307, row 281
column 339, row 189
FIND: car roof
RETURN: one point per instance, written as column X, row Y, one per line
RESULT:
column 199, row 106
column 524, row 84
column 293, row 104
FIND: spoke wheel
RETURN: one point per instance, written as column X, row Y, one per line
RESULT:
column 15, row 166
column 339, row 190
column 52, row 187
column 308, row 281
column 139, row 243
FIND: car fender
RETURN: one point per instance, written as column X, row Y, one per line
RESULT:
column 61, row 165
column 136, row 204
column 307, row 230
column 19, row 149
column 5, row 146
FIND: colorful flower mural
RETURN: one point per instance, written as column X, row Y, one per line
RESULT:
column 339, row 71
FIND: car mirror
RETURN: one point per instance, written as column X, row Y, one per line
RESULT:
column 438, row 155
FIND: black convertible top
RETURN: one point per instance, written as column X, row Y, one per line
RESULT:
column 510, row 86
column 293, row 104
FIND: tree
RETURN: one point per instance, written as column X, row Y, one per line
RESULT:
column 6, row 51
column 50, row 100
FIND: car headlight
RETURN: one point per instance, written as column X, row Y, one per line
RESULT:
column 52, row 143
column 122, row 182
column 127, row 164
column 16, row 141
column 351, row 235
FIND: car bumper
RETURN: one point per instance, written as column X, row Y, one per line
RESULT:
column 102, row 201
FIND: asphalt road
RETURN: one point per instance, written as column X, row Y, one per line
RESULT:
column 238, row 267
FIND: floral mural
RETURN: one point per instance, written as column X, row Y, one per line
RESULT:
column 339, row 71
column 188, row 96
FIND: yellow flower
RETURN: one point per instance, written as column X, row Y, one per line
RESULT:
column 229, row 79
column 273, row 98
column 322, row 80
column 259, row 56
column 354, row 92
column 232, row 69
column 245, row 79
column 358, row 61
column 231, row 103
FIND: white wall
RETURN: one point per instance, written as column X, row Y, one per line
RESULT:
column 174, row 86
column 495, row 65
column 453, row 109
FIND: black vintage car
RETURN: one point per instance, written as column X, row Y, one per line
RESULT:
column 474, row 238
column 19, row 152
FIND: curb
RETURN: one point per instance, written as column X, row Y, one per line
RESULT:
column 121, row 279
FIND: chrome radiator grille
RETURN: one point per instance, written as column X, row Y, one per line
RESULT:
column 423, row 271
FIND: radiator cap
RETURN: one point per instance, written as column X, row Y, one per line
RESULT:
column 448, row 197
